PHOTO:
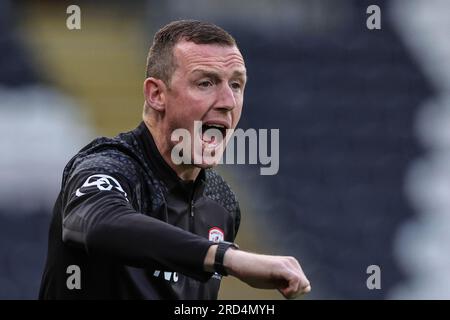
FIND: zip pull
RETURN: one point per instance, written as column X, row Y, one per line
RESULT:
column 192, row 208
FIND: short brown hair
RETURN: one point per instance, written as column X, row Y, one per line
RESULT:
column 160, row 60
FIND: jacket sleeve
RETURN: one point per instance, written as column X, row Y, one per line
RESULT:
column 98, row 217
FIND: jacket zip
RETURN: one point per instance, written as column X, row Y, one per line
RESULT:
column 191, row 214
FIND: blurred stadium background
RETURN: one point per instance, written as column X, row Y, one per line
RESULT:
column 364, row 120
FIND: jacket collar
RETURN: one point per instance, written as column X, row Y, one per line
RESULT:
column 162, row 169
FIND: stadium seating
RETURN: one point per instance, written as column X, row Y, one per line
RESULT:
column 345, row 104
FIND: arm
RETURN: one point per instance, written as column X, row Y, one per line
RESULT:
column 98, row 217
column 263, row 271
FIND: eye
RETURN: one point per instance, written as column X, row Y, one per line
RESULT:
column 236, row 85
column 205, row 84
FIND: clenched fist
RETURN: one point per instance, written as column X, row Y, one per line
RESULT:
column 264, row 271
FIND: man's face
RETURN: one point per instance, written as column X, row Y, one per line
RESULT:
column 208, row 86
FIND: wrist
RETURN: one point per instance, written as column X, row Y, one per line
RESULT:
column 223, row 247
column 229, row 260
column 219, row 258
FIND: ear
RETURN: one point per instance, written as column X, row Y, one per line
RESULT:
column 155, row 93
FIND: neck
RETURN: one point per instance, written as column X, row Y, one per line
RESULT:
column 184, row 171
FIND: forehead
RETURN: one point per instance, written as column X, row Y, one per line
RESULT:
column 190, row 55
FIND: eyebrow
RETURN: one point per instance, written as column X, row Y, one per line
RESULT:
column 215, row 75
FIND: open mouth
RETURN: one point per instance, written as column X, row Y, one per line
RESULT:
column 210, row 135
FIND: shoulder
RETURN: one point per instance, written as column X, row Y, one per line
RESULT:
column 105, row 156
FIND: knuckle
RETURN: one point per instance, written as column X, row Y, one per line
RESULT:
column 292, row 259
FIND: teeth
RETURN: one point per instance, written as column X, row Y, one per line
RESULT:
column 216, row 126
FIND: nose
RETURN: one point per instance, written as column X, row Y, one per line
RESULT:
column 226, row 101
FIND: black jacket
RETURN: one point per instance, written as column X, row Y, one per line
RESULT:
column 133, row 228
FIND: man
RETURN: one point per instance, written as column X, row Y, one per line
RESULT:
column 129, row 223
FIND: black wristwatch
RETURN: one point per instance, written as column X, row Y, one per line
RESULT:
column 222, row 247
